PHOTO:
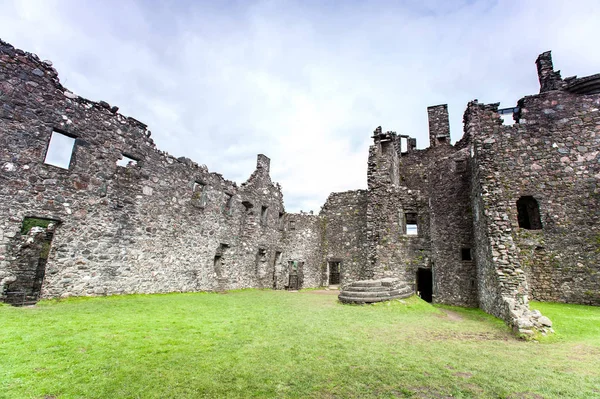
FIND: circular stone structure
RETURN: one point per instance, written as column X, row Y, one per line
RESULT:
column 371, row 291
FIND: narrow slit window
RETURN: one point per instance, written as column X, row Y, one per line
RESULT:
column 412, row 228
column 280, row 220
column 60, row 150
column 126, row 161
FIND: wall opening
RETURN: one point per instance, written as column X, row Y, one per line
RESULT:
column 528, row 211
column 292, row 225
column 425, row 284
column 441, row 140
column 280, row 221
column 276, row 263
column 227, row 208
column 403, row 144
column 410, row 221
column 460, row 166
column 31, row 260
column 263, row 215
column 218, row 259
column 386, row 145
column 295, row 276
column 334, row 272
column 465, row 254
column 126, row 161
column 60, row 150
column 199, row 195
column 247, row 206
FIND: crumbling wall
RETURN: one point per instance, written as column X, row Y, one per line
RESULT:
column 302, row 243
column 552, row 155
column 451, row 221
column 344, row 223
column 393, row 252
column 152, row 227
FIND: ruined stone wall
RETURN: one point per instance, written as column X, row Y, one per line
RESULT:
column 302, row 243
column 162, row 225
column 392, row 252
column 344, row 223
column 552, row 154
column 451, row 226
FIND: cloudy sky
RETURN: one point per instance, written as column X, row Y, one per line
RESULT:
column 304, row 82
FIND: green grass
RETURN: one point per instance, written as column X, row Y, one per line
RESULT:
column 277, row 344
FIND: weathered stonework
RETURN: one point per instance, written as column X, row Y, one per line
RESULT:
column 506, row 214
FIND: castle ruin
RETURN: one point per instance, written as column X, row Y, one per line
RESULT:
column 507, row 214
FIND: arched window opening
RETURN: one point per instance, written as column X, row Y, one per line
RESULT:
column 529, row 213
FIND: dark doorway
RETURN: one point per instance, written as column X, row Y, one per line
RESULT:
column 425, row 284
column 528, row 212
column 334, row 272
column 295, row 276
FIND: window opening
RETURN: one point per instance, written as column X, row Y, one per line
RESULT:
column 403, row 144
column 60, row 150
column 200, row 194
column 465, row 254
column 228, row 203
column 411, row 224
column 247, row 206
column 127, row 161
column 263, row 215
column 280, row 220
column 528, row 211
column 292, row 225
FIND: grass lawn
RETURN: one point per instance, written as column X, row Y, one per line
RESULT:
column 276, row 344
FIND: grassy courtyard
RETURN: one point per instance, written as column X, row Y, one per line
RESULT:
column 277, row 344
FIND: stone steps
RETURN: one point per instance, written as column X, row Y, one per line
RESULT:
column 371, row 291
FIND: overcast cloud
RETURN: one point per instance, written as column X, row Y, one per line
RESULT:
column 304, row 82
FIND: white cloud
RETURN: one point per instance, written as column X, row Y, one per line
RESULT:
column 305, row 85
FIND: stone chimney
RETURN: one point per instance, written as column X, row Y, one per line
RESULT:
column 549, row 79
column 439, row 125
column 263, row 162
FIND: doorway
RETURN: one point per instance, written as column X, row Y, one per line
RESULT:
column 334, row 272
column 425, row 284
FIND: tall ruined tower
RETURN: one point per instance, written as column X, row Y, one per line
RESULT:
column 439, row 125
column 382, row 179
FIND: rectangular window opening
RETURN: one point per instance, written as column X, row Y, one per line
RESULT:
column 126, row 161
column 466, row 254
column 60, row 150
column 280, row 220
column 403, row 144
column 411, row 224
column 292, row 225
column 199, row 194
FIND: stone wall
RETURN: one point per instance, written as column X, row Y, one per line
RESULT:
column 344, row 221
column 302, row 243
column 162, row 225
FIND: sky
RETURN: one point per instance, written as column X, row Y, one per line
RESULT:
column 303, row 82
